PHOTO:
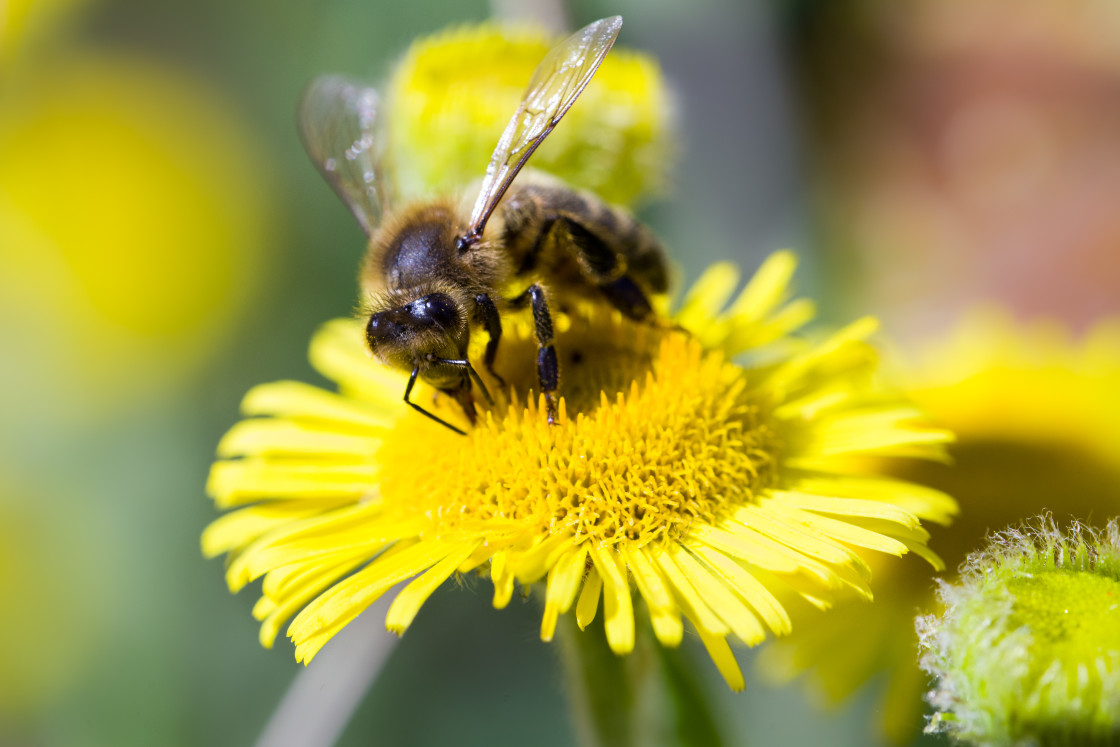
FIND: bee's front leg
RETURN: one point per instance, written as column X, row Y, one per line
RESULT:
column 493, row 323
column 548, row 368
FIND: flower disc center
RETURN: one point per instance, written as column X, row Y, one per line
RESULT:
column 653, row 435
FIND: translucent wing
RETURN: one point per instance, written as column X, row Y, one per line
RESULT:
column 556, row 84
column 336, row 120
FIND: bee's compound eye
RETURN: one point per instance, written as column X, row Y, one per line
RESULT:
column 438, row 309
column 378, row 328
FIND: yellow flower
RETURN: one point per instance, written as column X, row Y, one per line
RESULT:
column 710, row 487
column 445, row 117
column 24, row 22
column 132, row 229
column 1037, row 418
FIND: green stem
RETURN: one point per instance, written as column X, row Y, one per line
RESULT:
column 648, row 697
column 686, row 703
column 600, row 687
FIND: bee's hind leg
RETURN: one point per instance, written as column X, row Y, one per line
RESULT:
column 548, row 368
column 626, row 296
column 603, row 267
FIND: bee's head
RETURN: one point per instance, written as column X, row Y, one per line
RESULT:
column 414, row 332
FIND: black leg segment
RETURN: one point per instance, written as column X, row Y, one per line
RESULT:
column 625, row 295
column 548, row 368
column 493, row 323
column 599, row 262
column 603, row 266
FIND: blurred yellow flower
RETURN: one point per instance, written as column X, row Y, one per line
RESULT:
column 131, row 231
column 23, row 21
column 1037, row 418
column 711, row 487
column 445, row 116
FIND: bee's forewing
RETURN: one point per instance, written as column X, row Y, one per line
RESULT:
column 338, row 118
column 556, row 84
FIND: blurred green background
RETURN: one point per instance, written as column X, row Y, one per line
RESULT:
column 165, row 245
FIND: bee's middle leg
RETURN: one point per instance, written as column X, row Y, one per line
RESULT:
column 548, row 367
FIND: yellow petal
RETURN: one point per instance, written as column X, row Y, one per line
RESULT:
column 766, row 289
column 922, row 551
column 694, row 606
column 346, row 600
column 664, row 614
column 724, row 659
column 563, row 583
column 298, row 400
column 588, row 603
column 281, row 583
column 722, row 599
column 788, row 374
column 297, row 594
column 814, row 402
column 530, row 565
column 743, row 338
column 708, row 295
column 750, row 546
column 408, row 602
column 752, row 591
column 617, row 605
column 842, row 531
column 274, row 437
column 239, row 528
column 845, row 506
column 279, row 553
column 338, row 353
column 879, row 492
column 876, row 431
column 808, row 542
column 271, row 550
column 242, row 481
column 502, row 577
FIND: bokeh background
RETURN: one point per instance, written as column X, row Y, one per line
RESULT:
column 165, row 245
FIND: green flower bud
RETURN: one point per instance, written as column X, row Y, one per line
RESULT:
column 1027, row 650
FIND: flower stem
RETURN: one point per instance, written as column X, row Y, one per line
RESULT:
column 685, row 701
column 647, row 697
column 600, row 689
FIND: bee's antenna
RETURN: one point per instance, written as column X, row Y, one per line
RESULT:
column 418, row 408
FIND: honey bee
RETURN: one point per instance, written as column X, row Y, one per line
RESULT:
column 434, row 272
